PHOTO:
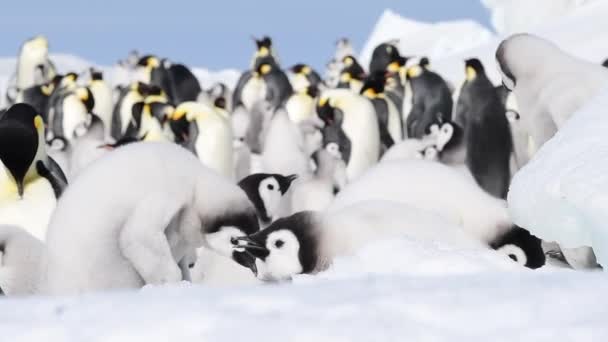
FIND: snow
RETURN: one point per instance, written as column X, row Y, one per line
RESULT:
column 402, row 289
column 567, row 178
column 424, row 39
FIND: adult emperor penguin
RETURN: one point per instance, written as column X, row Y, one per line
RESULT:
column 264, row 49
column 540, row 75
column 38, row 96
column 350, row 122
column 308, row 242
column 33, row 65
column 488, row 139
column 351, row 75
column 70, row 111
column 389, row 118
column 427, row 97
column 209, row 136
column 386, row 57
column 123, row 109
column 102, row 93
column 30, row 181
column 265, row 191
column 278, row 88
column 149, row 121
column 176, row 80
column 303, row 76
column 300, row 106
column 20, row 258
column 462, row 201
column 143, row 229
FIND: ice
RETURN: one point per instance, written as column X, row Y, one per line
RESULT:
column 561, row 194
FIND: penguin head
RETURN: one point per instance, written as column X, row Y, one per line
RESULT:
column 263, row 68
column 473, row 69
column 414, row 71
column 265, row 192
column 264, row 46
column 301, row 69
column 86, row 96
column 386, row 57
column 148, row 62
column 522, row 247
column 35, row 48
column 289, row 246
column 424, row 62
column 68, row 81
column 96, row 75
column 328, row 111
column 373, row 85
column 21, row 143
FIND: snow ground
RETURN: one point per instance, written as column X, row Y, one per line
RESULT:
column 423, row 293
column 391, row 291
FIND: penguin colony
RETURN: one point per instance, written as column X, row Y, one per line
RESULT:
column 153, row 179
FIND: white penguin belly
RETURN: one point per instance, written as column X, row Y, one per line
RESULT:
column 408, row 101
column 33, row 211
column 253, row 91
column 214, row 146
column 74, row 115
column 103, row 104
column 300, row 108
column 361, row 127
column 394, row 122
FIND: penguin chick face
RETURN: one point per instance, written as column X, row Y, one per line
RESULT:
column 287, row 247
column 522, row 247
column 21, row 143
column 265, row 192
column 221, row 232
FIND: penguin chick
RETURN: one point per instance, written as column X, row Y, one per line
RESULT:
column 265, row 191
column 308, row 242
column 31, row 181
column 209, row 136
column 317, row 192
column 144, row 227
column 350, row 122
column 20, row 258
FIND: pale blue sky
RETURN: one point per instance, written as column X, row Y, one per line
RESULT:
column 214, row 34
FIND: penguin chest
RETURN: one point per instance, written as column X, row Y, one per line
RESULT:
column 74, row 115
column 394, row 122
column 31, row 212
column 300, row 108
column 253, row 91
column 214, row 145
column 103, row 102
column 361, row 128
column 299, row 82
column 408, row 101
column 152, row 129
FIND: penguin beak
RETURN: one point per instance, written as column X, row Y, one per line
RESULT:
column 247, row 243
column 285, row 182
column 245, row 259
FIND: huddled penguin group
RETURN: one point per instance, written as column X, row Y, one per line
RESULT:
column 147, row 177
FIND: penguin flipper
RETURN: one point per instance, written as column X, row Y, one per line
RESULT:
column 143, row 242
column 54, row 175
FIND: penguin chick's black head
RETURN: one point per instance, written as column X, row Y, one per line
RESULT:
column 261, row 187
column 289, row 246
column 473, row 68
column 19, row 132
column 522, row 247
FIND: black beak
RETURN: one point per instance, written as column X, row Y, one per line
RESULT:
column 245, row 259
column 285, row 182
column 247, row 243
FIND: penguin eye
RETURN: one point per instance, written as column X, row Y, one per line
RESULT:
column 279, row 243
column 270, row 187
column 513, row 257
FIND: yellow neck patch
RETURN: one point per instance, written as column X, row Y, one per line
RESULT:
column 370, row 93
column 305, row 70
column 265, row 69
column 470, row 73
column 178, row 114
column 345, row 77
column 393, row 67
column 38, row 122
column 414, row 71
column 263, row 52
column 47, row 89
column 348, row 61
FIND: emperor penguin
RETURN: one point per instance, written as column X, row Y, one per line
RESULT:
column 218, row 92
column 427, row 97
column 143, row 229
column 278, row 88
column 386, row 58
column 149, row 120
column 70, row 111
column 351, row 75
column 20, row 258
column 33, row 64
column 308, row 242
column 351, row 123
column 462, row 201
column 335, row 65
column 300, row 106
column 265, row 191
column 209, row 136
column 38, row 96
column 102, row 93
column 123, row 109
column 389, row 118
column 302, row 76
column 64, row 84
column 264, row 50
column 30, row 181
column 176, row 80
column 541, row 76
column 488, row 138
